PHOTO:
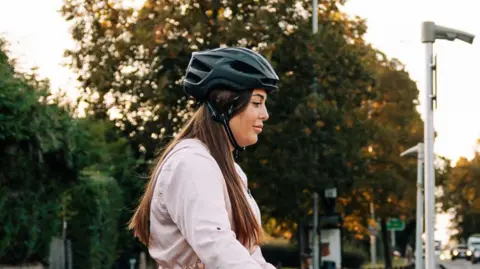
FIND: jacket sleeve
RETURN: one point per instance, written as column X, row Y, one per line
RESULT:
column 257, row 255
column 194, row 198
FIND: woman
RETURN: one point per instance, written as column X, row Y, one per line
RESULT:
column 197, row 211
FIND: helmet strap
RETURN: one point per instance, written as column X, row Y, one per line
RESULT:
column 225, row 120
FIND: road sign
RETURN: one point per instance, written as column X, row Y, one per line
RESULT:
column 395, row 224
column 331, row 193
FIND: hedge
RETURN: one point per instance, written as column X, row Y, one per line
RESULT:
column 93, row 230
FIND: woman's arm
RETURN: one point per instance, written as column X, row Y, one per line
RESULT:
column 257, row 255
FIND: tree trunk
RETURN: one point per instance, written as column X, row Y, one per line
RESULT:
column 386, row 244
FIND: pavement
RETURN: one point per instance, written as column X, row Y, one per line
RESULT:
column 458, row 264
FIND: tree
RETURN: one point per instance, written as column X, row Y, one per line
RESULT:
column 44, row 153
column 461, row 197
column 390, row 180
column 110, row 156
column 38, row 162
column 132, row 62
column 401, row 128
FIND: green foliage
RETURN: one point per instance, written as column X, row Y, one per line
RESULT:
column 461, row 195
column 110, row 154
column 37, row 163
column 44, row 150
column 353, row 256
column 93, row 229
column 285, row 255
column 389, row 180
column 399, row 127
column 29, row 220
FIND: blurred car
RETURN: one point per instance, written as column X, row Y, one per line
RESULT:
column 461, row 252
column 475, row 255
column 474, row 246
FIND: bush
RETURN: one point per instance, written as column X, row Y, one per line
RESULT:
column 353, row 256
column 352, row 260
column 288, row 256
column 96, row 204
column 28, row 221
column 37, row 163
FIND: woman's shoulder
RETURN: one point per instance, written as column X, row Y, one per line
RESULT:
column 189, row 161
column 191, row 145
column 190, row 152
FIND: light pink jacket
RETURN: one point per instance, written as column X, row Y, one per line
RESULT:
column 191, row 216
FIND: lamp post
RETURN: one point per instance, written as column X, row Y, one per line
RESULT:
column 418, row 150
column 430, row 33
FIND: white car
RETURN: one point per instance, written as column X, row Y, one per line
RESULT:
column 461, row 252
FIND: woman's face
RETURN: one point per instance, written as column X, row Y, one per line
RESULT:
column 248, row 124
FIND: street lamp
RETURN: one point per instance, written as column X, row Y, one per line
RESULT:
column 418, row 150
column 431, row 32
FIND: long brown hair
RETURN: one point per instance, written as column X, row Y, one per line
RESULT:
column 202, row 127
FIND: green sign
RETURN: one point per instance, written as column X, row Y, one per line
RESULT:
column 395, row 224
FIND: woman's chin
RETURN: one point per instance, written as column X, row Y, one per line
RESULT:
column 252, row 140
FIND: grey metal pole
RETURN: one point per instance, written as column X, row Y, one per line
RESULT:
column 373, row 241
column 301, row 243
column 431, row 32
column 132, row 263
column 429, row 184
column 393, row 239
column 316, row 240
column 316, row 243
column 419, row 230
column 315, row 16
column 418, row 150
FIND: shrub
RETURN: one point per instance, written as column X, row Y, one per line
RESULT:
column 93, row 230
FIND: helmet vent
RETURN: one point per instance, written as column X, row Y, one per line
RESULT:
column 196, row 64
column 268, row 81
column 193, row 78
column 244, row 68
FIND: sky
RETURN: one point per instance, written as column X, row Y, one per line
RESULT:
column 38, row 36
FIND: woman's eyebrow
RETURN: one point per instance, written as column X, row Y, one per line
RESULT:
column 259, row 95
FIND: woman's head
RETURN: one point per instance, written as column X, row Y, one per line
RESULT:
column 239, row 70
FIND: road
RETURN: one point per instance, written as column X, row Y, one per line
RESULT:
column 459, row 264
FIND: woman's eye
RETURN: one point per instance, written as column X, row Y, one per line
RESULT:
column 256, row 104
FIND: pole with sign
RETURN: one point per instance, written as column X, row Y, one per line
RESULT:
column 393, row 225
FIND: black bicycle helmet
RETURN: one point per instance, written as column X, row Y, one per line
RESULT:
column 236, row 69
